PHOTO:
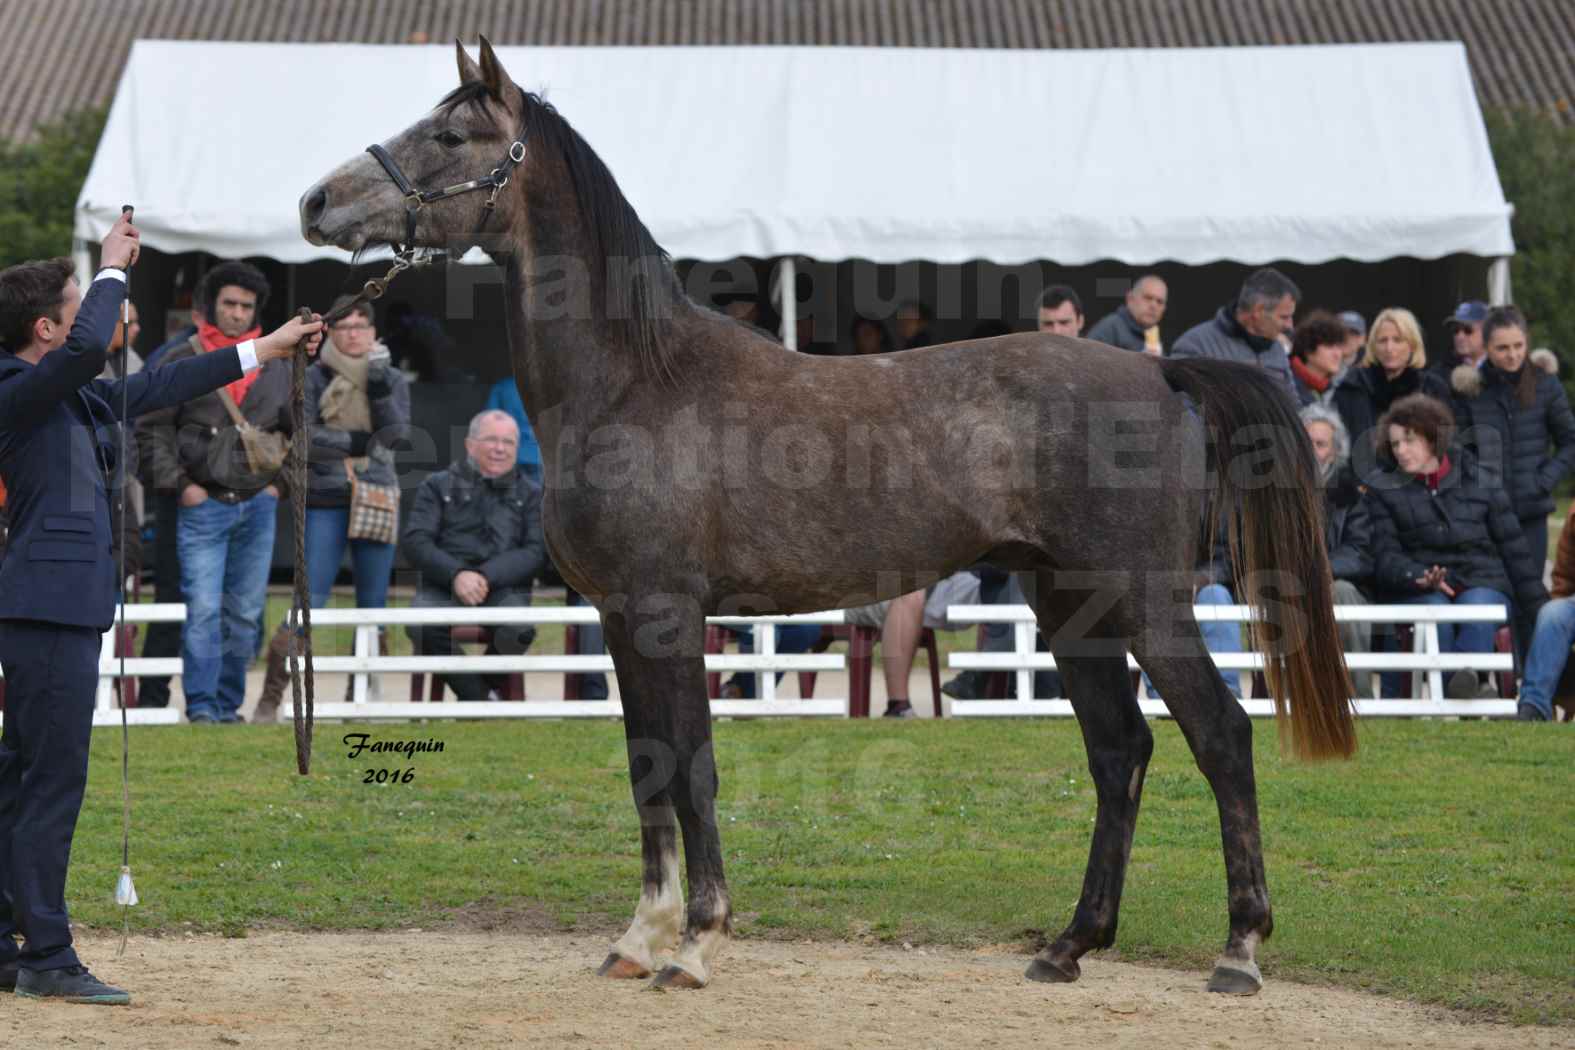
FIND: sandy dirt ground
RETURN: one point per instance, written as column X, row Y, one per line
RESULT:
column 507, row 989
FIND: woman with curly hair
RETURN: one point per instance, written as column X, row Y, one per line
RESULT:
column 1443, row 534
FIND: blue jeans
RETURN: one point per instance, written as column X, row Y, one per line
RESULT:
column 1452, row 637
column 791, row 638
column 225, row 550
column 1550, row 650
column 327, row 536
column 1219, row 636
column 1465, row 637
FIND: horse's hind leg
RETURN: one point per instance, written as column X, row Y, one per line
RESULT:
column 1094, row 669
column 661, row 678
column 1220, row 735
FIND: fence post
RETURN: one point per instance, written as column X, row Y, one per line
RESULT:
column 106, row 654
column 1435, row 677
column 365, row 643
column 766, row 645
column 1023, row 647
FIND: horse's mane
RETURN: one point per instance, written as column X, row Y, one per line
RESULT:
column 628, row 267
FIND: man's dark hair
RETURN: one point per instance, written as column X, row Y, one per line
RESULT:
column 1057, row 294
column 1503, row 317
column 242, row 275
column 917, row 307
column 362, row 308
column 1321, row 328
column 1427, row 417
column 29, row 291
column 1267, row 286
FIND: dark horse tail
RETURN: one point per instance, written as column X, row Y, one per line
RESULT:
column 1276, row 537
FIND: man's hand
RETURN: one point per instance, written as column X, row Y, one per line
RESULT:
column 280, row 342
column 121, row 245
column 193, row 495
column 470, row 587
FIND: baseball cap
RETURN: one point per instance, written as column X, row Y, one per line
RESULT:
column 1472, row 311
column 1354, row 322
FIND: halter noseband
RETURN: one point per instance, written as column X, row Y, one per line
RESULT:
column 416, row 199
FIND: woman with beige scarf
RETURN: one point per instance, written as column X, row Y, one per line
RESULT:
column 357, row 406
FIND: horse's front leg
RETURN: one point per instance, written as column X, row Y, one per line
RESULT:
column 658, row 918
column 659, row 654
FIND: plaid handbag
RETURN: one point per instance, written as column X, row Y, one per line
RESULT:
column 374, row 509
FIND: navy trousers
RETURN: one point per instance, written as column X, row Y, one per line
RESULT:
column 51, row 676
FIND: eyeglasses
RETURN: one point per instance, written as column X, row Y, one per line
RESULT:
column 502, row 442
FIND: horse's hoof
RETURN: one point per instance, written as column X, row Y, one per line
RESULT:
column 1228, row 980
column 1053, row 972
column 617, row 966
column 674, row 977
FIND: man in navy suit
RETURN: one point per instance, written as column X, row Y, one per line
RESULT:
column 58, row 429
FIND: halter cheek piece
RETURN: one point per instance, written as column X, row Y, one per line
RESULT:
column 416, row 199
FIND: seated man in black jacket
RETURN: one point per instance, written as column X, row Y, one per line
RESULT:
column 474, row 531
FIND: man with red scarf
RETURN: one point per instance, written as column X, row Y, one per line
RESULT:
column 225, row 528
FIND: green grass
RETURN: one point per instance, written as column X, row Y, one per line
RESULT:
column 1437, row 866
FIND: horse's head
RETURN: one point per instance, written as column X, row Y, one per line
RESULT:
column 471, row 137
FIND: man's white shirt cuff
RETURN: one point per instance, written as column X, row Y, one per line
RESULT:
column 110, row 271
column 248, row 354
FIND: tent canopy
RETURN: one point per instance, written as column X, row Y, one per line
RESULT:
column 1247, row 154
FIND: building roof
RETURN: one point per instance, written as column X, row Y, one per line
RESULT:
column 57, row 56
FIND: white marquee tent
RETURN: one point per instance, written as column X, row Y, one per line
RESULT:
column 1245, row 154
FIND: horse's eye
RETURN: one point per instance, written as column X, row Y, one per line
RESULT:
column 449, row 139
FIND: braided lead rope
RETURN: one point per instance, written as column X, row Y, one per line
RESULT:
column 299, row 621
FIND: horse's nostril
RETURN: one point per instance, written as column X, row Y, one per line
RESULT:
column 315, row 204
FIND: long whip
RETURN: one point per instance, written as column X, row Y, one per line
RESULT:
column 125, row 889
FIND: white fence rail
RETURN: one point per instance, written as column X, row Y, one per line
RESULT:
column 765, row 661
column 1021, row 662
column 1425, row 657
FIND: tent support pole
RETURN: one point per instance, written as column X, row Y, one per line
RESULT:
column 786, row 289
column 1498, row 281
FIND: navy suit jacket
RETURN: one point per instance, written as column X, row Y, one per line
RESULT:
column 58, row 452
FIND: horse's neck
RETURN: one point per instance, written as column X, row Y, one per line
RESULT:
column 578, row 366
column 573, row 368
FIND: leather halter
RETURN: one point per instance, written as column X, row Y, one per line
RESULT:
column 416, row 199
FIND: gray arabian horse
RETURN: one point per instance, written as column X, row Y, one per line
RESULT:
column 695, row 467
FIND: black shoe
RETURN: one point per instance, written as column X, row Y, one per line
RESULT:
column 1523, row 713
column 7, row 977
column 1463, row 685
column 899, row 709
column 73, row 984
column 969, row 685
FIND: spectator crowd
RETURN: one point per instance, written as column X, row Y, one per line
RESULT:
column 1439, row 473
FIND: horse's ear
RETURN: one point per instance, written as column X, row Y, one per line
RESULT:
column 492, row 71
column 468, row 70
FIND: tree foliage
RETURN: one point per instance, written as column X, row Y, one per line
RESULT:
column 39, row 182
